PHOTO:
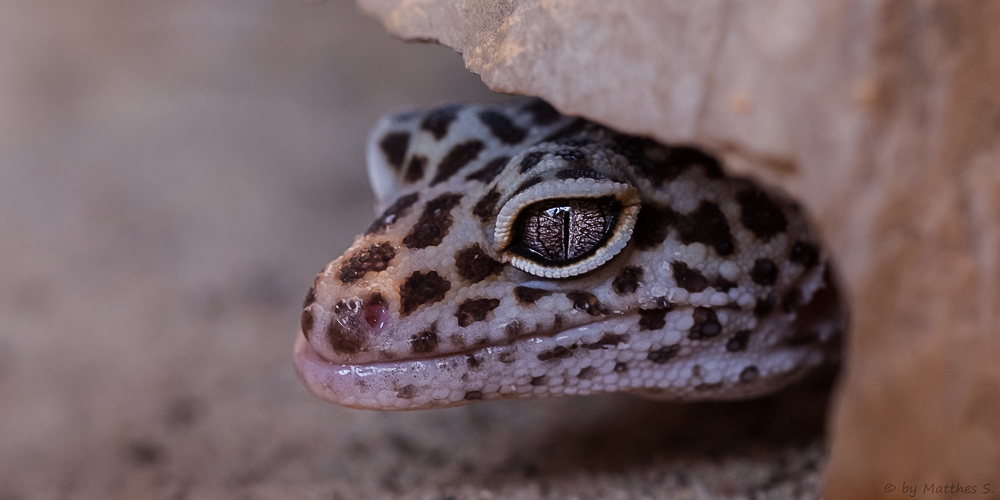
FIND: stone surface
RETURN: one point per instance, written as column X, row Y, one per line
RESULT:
column 882, row 117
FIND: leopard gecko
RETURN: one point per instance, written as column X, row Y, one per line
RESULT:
column 521, row 253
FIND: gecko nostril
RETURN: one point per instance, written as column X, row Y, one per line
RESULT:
column 376, row 314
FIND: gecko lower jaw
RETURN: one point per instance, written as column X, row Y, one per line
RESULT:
column 514, row 370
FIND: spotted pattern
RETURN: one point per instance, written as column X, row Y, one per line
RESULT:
column 528, row 295
column 501, row 127
column 434, row 222
column 398, row 209
column 457, row 158
column 415, row 168
column 764, row 272
column 474, row 264
column 587, row 302
column 687, row 278
column 473, row 310
column 490, row 170
column 708, row 297
column 425, row 342
column 706, row 225
column 760, row 214
column 627, row 281
column 422, row 288
column 375, row 258
column 804, row 253
column 394, row 148
column 439, row 120
column 486, row 207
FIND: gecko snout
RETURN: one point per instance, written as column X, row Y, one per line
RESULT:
column 352, row 325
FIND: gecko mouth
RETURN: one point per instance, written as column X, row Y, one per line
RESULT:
column 529, row 366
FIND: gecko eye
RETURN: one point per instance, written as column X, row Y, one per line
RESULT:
column 560, row 229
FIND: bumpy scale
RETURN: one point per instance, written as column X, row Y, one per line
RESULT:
column 521, row 253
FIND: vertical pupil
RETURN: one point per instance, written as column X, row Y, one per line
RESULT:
column 562, row 231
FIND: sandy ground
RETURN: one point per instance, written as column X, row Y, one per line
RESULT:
column 172, row 176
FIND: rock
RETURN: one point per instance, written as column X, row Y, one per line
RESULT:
column 882, row 117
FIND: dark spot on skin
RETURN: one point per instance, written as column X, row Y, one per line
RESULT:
column 574, row 158
column 143, row 452
column 474, row 265
column 490, row 170
column 424, row 342
column 663, row 354
column 458, row 157
column 652, row 226
column 689, row 279
column 557, row 352
column 683, row 157
column 760, row 214
column 706, row 324
column 764, row 272
column 506, row 357
column 398, row 209
column 182, row 413
column 791, row 301
column 749, row 374
column 472, row 361
column 653, row 319
column 540, row 380
column 394, row 148
column 706, row 225
column 627, row 281
column 421, row 288
column 587, row 373
column 765, row 305
column 345, row 338
column 804, row 253
column 578, row 173
column 525, row 185
column 531, row 159
column 586, row 302
column 438, row 121
column 473, row 310
column 457, row 340
column 502, row 127
column 573, row 128
column 608, row 339
column 486, row 206
column 802, row 337
column 542, row 113
column 473, row 395
column 662, row 303
column 528, row 295
column 723, row 285
column 513, row 329
column 407, row 392
column 669, row 164
column 434, row 222
column 739, row 341
column 374, row 258
column 620, row 367
column 415, row 168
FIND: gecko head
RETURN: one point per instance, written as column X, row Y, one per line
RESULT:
column 560, row 263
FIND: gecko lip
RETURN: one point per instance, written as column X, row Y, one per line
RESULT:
column 435, row 380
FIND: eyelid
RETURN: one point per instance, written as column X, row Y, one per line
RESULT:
column 583, row 188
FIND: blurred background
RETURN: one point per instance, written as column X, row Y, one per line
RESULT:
column 172, row 176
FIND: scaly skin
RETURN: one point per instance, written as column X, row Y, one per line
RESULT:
column 716, row 289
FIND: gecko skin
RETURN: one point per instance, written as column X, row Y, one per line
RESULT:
column 520, row 253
